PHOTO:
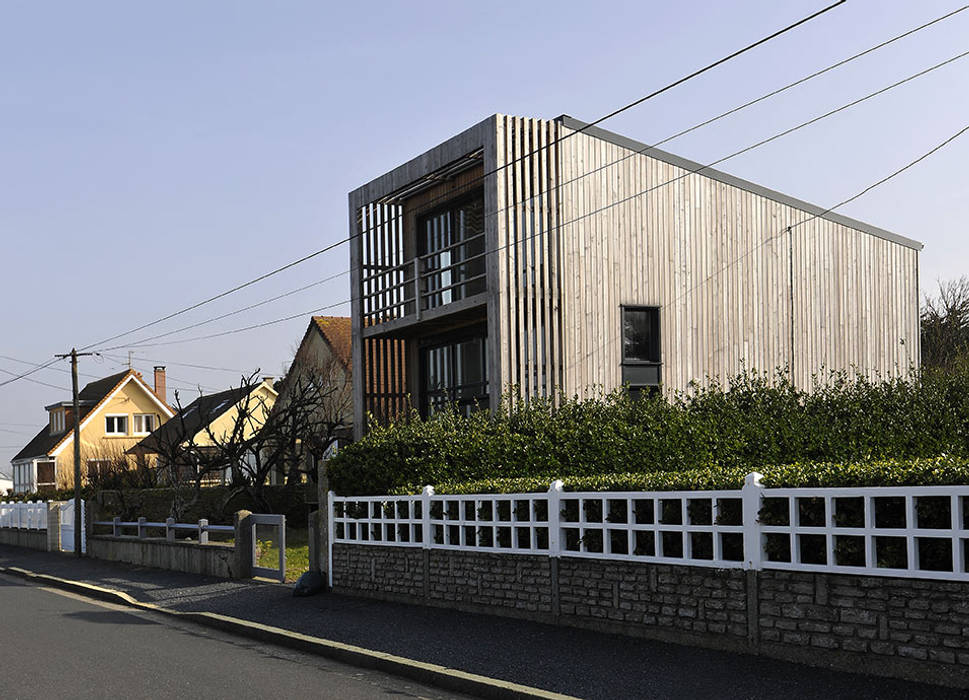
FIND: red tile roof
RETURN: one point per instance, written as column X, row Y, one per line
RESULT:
column 337, row 332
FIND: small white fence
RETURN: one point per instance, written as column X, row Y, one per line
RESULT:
column 911, row 532
column 30, row 515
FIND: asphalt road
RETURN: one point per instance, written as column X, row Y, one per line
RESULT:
column 56, row 644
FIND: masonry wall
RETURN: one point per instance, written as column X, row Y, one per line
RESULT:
column 907, row 628
column 32, row 539
column 208, row 560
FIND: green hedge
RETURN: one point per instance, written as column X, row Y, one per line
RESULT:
column 917, row 472
column 760, row 420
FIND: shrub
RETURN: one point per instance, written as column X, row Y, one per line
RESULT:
column 703, row 436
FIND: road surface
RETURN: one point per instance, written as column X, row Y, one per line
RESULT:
column 57, row 644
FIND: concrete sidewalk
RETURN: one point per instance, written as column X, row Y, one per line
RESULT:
column 558, row 659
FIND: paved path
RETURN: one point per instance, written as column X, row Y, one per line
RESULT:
column 57, row 645
column 561, row 659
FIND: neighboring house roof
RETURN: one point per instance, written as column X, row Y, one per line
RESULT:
column 191, row 419
column 336, row 330
column 90, row 399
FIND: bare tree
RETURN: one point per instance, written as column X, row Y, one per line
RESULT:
column 184, row 460
column 945, row 326
column 265, row 437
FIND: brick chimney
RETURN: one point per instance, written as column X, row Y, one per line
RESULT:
column 160, row 387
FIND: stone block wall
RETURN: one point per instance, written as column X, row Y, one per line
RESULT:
column 32, row 539
column 208, row 560
column 907, row 628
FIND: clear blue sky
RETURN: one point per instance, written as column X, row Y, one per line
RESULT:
column 154, row 154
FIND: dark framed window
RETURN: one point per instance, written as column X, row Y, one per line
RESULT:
column 451, row 241
column 641, row 354
column 455, row 372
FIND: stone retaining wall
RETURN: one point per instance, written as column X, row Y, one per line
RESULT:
column 32, row 539
column 208, row 560
column 907, row 628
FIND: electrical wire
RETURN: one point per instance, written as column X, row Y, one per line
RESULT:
column 144, row 341
column 787, row 229
column 610, row 115
column 611, row 205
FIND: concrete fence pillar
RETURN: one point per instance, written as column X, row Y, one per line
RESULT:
column 170, row 529
column 243, row 543
column 54, row 526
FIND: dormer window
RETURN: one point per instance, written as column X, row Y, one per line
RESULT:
column 57, row 422
column 116, row 425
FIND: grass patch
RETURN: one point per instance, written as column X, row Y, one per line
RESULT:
column 297, row 552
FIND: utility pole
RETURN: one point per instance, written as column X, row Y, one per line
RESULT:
column 78, row 505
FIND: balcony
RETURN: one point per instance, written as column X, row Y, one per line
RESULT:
column 447, row 275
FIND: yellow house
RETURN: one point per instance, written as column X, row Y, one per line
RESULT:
column 236, row 414
column 115, row 414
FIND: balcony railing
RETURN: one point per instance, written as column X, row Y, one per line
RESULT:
column 425, row 282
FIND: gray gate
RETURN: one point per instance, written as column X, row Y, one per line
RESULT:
column 276, row 524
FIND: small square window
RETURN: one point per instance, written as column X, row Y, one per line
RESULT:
column 640, row 334
column 116, row 425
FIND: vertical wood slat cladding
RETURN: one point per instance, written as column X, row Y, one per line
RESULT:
column 529, row 295
column 735, row 288
column 381, row 298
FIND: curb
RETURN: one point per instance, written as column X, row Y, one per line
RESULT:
column 428, row 673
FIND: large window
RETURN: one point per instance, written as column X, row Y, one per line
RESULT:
column 452, row 246
column 641, row 359
column 116, row 425
column 455, row 373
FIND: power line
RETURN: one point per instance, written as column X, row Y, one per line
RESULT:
column 615, row 112
column 182, row 364
column 238, row 311
column 812, row 217
column 611, row 205
column 36, row 368
column 621, row 159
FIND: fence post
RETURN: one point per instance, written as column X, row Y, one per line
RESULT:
column 753, row 545
column 426, row 516
column 244, row 543
column 554, row 518
column 330, row 528
column 203, row 532
column 116, row 526
column 141, row 527
column 170, row 529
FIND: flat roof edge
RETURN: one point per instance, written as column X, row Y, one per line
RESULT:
column 726, row 178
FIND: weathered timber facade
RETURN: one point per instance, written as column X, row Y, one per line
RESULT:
column 549, row 256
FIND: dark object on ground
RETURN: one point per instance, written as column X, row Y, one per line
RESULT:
column 308, row 584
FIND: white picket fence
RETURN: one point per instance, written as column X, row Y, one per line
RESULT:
column 912, row 532
column 30, row 515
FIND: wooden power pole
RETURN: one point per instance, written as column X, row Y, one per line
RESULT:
column 78, row 504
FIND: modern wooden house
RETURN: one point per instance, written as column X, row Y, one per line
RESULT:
column 549, row 256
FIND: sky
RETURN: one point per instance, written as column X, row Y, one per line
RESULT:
column 155, row 154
